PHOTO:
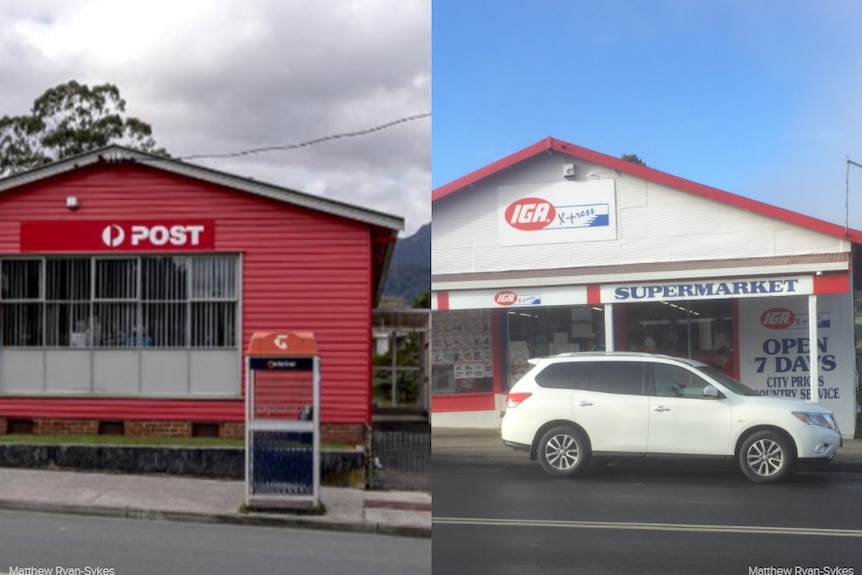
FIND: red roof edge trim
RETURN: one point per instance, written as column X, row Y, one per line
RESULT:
column 491, row 169
column 653, row 175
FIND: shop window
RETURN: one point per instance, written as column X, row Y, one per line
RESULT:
column 102, row 302
column 20, row 310
column 700, row 330
column 462, row 360
column 537, row 332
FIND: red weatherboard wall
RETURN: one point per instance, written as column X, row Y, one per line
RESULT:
column 302, row 270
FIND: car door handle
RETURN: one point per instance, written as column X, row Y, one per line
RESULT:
column 585, row 404
column 661, row 408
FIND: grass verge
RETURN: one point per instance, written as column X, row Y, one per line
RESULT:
column 121, row 440
column 124, row 440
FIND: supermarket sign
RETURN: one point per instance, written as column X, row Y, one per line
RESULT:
column 694, row 290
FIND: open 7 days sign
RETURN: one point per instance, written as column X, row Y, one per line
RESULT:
column 117, row 236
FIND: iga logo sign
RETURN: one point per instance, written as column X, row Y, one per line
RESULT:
column 529, row 214
column 507, row 298
column 777, row 318
column 154, row 236
column 564, row 212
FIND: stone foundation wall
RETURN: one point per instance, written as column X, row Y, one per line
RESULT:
column 338, row 469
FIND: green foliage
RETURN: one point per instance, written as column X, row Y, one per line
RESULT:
column 423, row 301
column 70, row 119
column 122, row 440
column 407, row 280
column 410, row 270
column 407, row 379
column 634, row 159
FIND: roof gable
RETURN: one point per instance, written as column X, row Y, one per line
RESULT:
column 116, row 153
column 650, row 174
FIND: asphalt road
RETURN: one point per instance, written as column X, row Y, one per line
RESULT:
column 139, row 547
column 502, row 514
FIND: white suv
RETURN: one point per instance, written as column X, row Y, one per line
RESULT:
column 571, row 407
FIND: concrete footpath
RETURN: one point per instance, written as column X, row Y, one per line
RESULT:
column 171, row 498
column 486, row 444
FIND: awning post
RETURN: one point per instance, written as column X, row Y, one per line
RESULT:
column 813, row 348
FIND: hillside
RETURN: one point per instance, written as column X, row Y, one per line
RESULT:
column 410, row 270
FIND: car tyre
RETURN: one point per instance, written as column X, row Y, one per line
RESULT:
column 564, row 451
column 767, row 457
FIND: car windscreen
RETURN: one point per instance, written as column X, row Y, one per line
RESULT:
column 727, row 381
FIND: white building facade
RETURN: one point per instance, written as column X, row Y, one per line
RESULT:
column 558, row 248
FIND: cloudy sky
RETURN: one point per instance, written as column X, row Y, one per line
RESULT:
column 217, row 76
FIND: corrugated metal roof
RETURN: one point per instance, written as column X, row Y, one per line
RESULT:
column 116, row 153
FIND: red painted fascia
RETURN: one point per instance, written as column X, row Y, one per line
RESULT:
column 491, row 169
column 620, row 165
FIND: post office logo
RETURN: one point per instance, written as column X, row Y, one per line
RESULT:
column 113, row 236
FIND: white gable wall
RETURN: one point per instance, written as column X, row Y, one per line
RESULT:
column 655, row 223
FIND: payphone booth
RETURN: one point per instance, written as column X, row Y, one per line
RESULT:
column 282, row 427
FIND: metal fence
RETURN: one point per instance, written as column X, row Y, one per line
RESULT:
column 400, row 460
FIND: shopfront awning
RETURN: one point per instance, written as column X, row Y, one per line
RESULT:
column 665, row 271
column 712, row 279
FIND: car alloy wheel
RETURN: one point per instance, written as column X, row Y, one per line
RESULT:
column 563, row 451
column 766, row 457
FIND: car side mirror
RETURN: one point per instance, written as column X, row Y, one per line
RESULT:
column 710, row 391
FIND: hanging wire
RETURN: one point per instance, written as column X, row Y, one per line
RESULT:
column 310, row 142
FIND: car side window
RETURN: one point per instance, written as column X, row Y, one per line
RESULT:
column 674, row 381
column 564, row 375
column 621, row 377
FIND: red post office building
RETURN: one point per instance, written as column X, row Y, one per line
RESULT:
column 130, row 285
column 557, row 248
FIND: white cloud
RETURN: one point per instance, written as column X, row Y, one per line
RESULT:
column 228, row 75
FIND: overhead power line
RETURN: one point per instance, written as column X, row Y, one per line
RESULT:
column 311, row 142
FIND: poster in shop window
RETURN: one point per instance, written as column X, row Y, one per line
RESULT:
column 462, row 339
column 774, row 351
column 519, row 354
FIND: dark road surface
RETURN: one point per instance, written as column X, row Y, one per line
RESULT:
column 496, row 515
column 141, row 547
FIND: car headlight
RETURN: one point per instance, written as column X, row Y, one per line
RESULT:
column 821, row 419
